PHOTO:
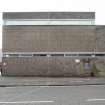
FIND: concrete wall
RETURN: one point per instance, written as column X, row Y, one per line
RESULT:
column 48, row 38
column 42, row 66
column 100, row 47
column 100, row 38
column 48, row 15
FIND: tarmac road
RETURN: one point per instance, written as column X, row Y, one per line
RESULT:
column 53, row 95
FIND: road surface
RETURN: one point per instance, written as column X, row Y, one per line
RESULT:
column 53, row 95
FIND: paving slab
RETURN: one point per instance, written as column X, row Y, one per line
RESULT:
column 49, row 81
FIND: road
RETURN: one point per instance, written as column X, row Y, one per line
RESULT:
column 53, row 95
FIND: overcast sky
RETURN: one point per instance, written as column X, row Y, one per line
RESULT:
column 97, row 6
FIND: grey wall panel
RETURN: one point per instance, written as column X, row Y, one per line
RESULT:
column 100, row 47
column 41, row 66
column 48, row 38
column 56, row 66
column 100, row 38
column 25, row 66
column 46, row 15
column 72, row 15
column 100, row 67
column 25, row 15
column 25, row 39
column 72, row 38
column 73, row 68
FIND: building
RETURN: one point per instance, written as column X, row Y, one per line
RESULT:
column 52, row 44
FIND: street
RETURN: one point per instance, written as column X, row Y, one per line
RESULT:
column 53, row 95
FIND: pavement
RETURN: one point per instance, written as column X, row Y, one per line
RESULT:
column 50, row 81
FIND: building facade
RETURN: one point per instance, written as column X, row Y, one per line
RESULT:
column 52, row 44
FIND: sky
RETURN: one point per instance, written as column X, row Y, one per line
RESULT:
column 97, row 6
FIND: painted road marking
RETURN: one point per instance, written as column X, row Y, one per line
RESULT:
column 22, row 102
column 95, row 100
column 77, row 81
